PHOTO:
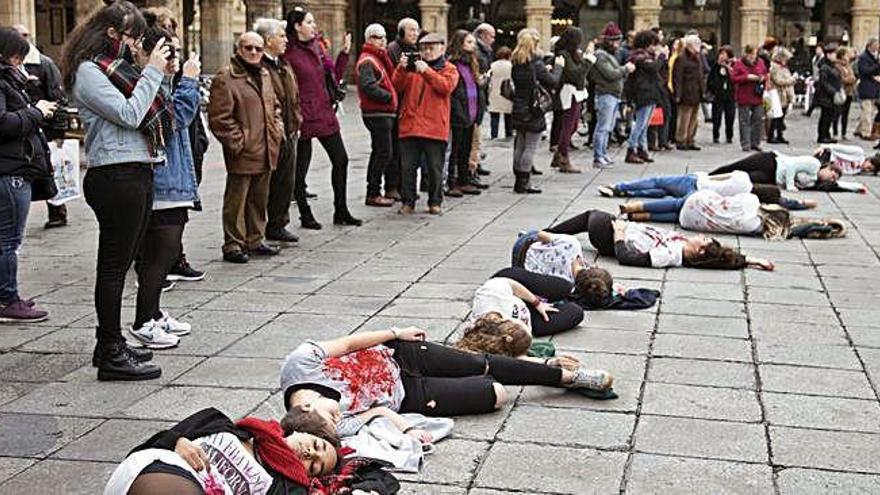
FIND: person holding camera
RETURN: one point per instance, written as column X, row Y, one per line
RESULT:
column 748, row 76
column 44, row 83
column 318, row 91
column 24, row 156
column 128, row 122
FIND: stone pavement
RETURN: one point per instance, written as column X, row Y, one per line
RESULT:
column 736, row 382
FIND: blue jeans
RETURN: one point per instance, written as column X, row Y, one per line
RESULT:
column 664, row 210
column 15, row 201
column 638, row 137
column 679, row 186
column 606, row 110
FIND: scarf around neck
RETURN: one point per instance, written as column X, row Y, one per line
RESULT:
column 274, row 451
column 158, row 123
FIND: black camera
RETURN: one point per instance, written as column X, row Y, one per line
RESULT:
column 412, row 57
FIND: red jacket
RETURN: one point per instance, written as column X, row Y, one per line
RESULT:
column 425, row 107
column 374, row 82
column 745, row 93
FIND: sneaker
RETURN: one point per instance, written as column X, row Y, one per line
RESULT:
column 20, row 311
column 172, row 326
column 167, row 284
column 601, row 164
column 591, row 379
column 153, row 336
column 607, row 191
column 184, row 271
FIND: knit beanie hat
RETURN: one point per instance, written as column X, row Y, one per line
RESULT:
column 612, row 32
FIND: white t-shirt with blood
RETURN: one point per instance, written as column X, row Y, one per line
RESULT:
column 708, row 211
column 664, row 247
column 848, row 157
column 496, row 296
column 555, row 257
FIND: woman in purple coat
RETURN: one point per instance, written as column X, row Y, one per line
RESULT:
column 313, row 69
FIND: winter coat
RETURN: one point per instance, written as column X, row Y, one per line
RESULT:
column 745, row 93
column 719, row 84
column 176, row 180
column 688, row 81
column 397, row 48
column 829, row 83
column 287, row 91
column 869, row 68
column 311, row 66
column 525, row 77
column 643, row 86
column 847, row 77
column 575, row 70
column 460, row 113
column 425, row 102
column 783, row 81
column 607, row 74
column 24, row 151
column 375, row 90
column 485, row 57
column 500, row 72
column 244, row 116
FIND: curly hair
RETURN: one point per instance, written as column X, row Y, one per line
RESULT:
column 595, row 285
column 299, row 420
column 495, row 335
column 718, row 257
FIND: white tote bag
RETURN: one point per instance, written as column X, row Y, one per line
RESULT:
column 773, row 103
column 65, row 161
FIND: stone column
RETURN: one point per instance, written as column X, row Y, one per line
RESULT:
column 865, row 22
column 755, row 16
column 330, row 17
column 262, row 8
column 18, row 12
column 538, row 15
column 646, row 14
column 216, row 27
column 435, row 16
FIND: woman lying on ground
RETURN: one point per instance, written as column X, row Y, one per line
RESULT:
column 208, row 453
column 849, row 159
column 638, row 244
column 353, row 379
column 790, row 172
column 680, row 186
column 744, row 214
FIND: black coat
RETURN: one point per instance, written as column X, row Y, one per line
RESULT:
column 460, row 117
column 688, row 82
column 829, row 83
column 23, row 148
column 719, row 83
column 524, row 78
column 644, row 87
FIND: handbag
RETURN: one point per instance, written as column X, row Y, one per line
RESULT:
column 839, row 97
column 43, row 188
column 657, row 118
column 507, row 90
column 542, row 101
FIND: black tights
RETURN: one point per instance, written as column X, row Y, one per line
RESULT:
column 595, row 222
column 156, row 483
column 159, row 253
column 761, row 167
column 335, row 149
column 553, row 289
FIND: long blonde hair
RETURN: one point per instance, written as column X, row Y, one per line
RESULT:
column 526, row 46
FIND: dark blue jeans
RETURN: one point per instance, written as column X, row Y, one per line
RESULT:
column 664, row 210
column 15, row 201
column 678, row 186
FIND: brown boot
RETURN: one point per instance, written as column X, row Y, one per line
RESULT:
column 643, row 216
column 632, row 207
column 643, row 154
column 633, row 157
column 557, row 159
column 566, row 167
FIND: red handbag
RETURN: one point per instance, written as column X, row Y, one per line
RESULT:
column 656, row 117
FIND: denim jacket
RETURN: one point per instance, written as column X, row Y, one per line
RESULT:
column 176, row 181
column 111, row 119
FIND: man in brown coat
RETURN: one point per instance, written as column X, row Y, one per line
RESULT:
column 286, row 90
column 688, row 88
column 243, row 114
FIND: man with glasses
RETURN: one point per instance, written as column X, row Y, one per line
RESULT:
column 245, row 116
column 378, row 109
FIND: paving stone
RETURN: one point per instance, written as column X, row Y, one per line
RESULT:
column 795, row 481
column 550, row 469
column 775, row 279
column 769, row 314
column 176, row 403
column 10, row 466
column 80, row 399
column 340, row 305
column 814, row 381
column 602, row 340
column 234, row 372
column 68, row 477
column 701, row 438
column 785, row 333
column 723, row 292
column 788, row 296
column 856, row 300
column 454, row 461
column 838, row 450
column 30, row 367
column 705, row 373
column 485, row 427
column 254, row 301
column 428, row 489
column 641, row 321
column 674, row 475
column 864, row 336
column 822, row 412
column 201, row 343
column 284, row 285
column 704, row 307
column 698, row 276
column 111, row 441
column 827, row 356
column 860, row 317
column 701, row 402
column 567, row 427
column 284, row 334
column 360, row 287
column 226, row 322
column 12, row 337
column 9, row 391
column 694, row 346
column 31, row 435
column 703, row 325
column 422, row 308
column 451, row 291
column 172, row 367
column 871, row 358
column 627, row 401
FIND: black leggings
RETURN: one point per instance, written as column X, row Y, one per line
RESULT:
column 442, row 381
column 160, row 478
column 761, row 167
column 553, row 289
column 596, row 223
column 159, row 253
column 458, row 173
column 335, row 149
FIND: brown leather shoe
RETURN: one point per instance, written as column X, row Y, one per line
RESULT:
column 633, row 157
column 405, row 210
column 566, row 167
column 435, row 210
column 392, row 194
column 643, row 154
column 379, row 201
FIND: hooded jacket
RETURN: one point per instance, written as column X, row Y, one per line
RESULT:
column 23, row 148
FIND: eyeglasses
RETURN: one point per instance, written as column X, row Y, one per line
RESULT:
column 377, row 36
column 252, row 48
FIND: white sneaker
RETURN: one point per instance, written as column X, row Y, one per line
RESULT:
column 172, row 326
column 153, row 336
column 600, row 380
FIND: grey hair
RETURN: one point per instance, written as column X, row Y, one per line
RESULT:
column 373, row 30
column 871, row 41
column 482, row 28
column 407, row 21
column 266, row 26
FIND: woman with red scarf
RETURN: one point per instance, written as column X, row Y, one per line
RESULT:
column 379, row 111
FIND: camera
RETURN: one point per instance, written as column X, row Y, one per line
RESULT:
column 412, row 57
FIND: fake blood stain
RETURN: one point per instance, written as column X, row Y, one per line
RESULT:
column 368, row 373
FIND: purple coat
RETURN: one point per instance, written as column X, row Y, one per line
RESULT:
column 309, row 63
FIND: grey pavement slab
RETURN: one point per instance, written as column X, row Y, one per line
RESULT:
column 80, row 399
column 837, row 450
column 822, row 412
column 10, row 466
column 584, row 338
column 176, row 403
column 815, row 381
column 701, row 438
column 109, row 442
column 676, row 475
column 56, row 476
column 794, row 481
column 706, row 373
column 701, row 402
column 31, row 435
column 695, row 346
column 568, row 427
column 454, row 461
column 233, row 372
column 703, row 325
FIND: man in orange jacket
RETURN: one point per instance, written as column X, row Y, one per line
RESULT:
column 426, row 84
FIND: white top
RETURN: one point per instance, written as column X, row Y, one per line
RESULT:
column 738, row 182
column 496, row 296
column 848, row 157
column 789, row 167
column 499, row 72
column 708, row 211
column 555, row 257
column 664, row 247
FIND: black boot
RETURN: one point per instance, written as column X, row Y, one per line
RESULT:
column 343, row 217
column 116, row 364
column 307, row 220
column 522, row 184
column 139, row 355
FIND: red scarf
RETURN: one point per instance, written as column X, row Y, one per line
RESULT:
column 274, row 451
